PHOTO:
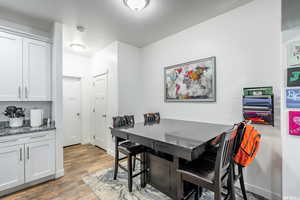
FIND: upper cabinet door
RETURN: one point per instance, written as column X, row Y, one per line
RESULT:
column 36, row 70
column 10, row 67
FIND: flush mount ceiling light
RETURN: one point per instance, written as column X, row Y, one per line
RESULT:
column 77, row 44
column 136, row 5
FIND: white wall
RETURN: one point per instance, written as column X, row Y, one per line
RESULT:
column 130, row 81
column 75, row 65
column 290, row 144
column 57, row 96
column 245, row 42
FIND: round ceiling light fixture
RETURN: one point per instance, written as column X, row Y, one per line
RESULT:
column 77, row 44
column 136, row 5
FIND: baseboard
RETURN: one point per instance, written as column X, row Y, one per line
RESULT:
column 26, row 185
column 262, row 192
column 110, row 152
column 60, row 173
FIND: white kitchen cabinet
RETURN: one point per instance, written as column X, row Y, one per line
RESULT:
column 26, row 158
column 40, row 160
column 25, row 71
column 36, row 70
column 12, row 166
column 10, row 67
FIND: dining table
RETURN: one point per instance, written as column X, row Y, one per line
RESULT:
column 170, row 143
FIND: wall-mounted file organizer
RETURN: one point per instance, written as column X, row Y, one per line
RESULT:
column 258, row 105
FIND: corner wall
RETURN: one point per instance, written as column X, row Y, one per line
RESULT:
column 246, row 43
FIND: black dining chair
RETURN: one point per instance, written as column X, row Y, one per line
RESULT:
column 210, row 175
column 238, row 175
column 152, row 117
column 128, row 148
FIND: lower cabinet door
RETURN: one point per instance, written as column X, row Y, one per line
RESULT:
column 11, row 166
column 40, row 160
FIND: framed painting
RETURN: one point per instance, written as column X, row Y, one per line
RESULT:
column 191, row 82
column 293, row 98
column 293, row 77
column 294, row 53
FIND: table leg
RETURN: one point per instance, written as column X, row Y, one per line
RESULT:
column 179, row 191
column 143, row 168
column 116, row 158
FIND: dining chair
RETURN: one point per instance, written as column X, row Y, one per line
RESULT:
column 128, row 148
column 210, row 154
column 210, row 175
column 151, row 117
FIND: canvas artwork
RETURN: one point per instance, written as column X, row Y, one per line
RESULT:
column 294, row 123
column 293, row 77
column 191, row 82
column 293, row 98
column 294, row 53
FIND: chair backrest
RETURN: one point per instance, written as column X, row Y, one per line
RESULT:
column 123, row 121
column 152, row 117
column 225, row 152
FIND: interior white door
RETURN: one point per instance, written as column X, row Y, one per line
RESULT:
column 40, row 160
column 100, row 90
column 12, row 166
column 72, row 111
column 36, row 70
column 11, row 67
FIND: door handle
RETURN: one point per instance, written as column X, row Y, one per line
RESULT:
column 21, row 154
column 19, row 92
column 26, row 92
column 78, row 114
column 104, row 116
column 27, row 153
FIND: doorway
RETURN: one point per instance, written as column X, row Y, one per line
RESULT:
column 72, row 110
column 100, row 111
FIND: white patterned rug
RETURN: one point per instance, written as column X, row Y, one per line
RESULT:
column 106, row 188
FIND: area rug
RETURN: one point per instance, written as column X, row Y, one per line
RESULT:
column 106, row 188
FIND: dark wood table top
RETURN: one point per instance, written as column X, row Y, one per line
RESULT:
column 169, row 135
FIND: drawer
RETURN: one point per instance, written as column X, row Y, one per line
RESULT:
column 9, row 141
column 26, row 138
column 40, row 136
column 142, row 141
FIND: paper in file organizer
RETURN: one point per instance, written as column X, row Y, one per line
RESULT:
column 257, row 102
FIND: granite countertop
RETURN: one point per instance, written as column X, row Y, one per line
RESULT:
column 25, row 130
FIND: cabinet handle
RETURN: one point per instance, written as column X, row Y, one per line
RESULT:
column 26, row 92
column 27, row 153
column 21, row 154
column 39, row 136
column 19, row 92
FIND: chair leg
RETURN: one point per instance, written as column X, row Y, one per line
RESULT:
column 116, row 159
column 231, row 182
column 242, row 183
column 129, row 163
column 218, row 195
column 134, row 162
column 180, row 192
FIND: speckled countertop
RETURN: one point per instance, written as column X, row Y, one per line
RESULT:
column 24, row 130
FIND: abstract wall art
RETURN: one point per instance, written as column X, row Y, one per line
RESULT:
column 294, row 123
column 293, row 77
column 191, row 82
column 294, row 53
column 293, row 98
